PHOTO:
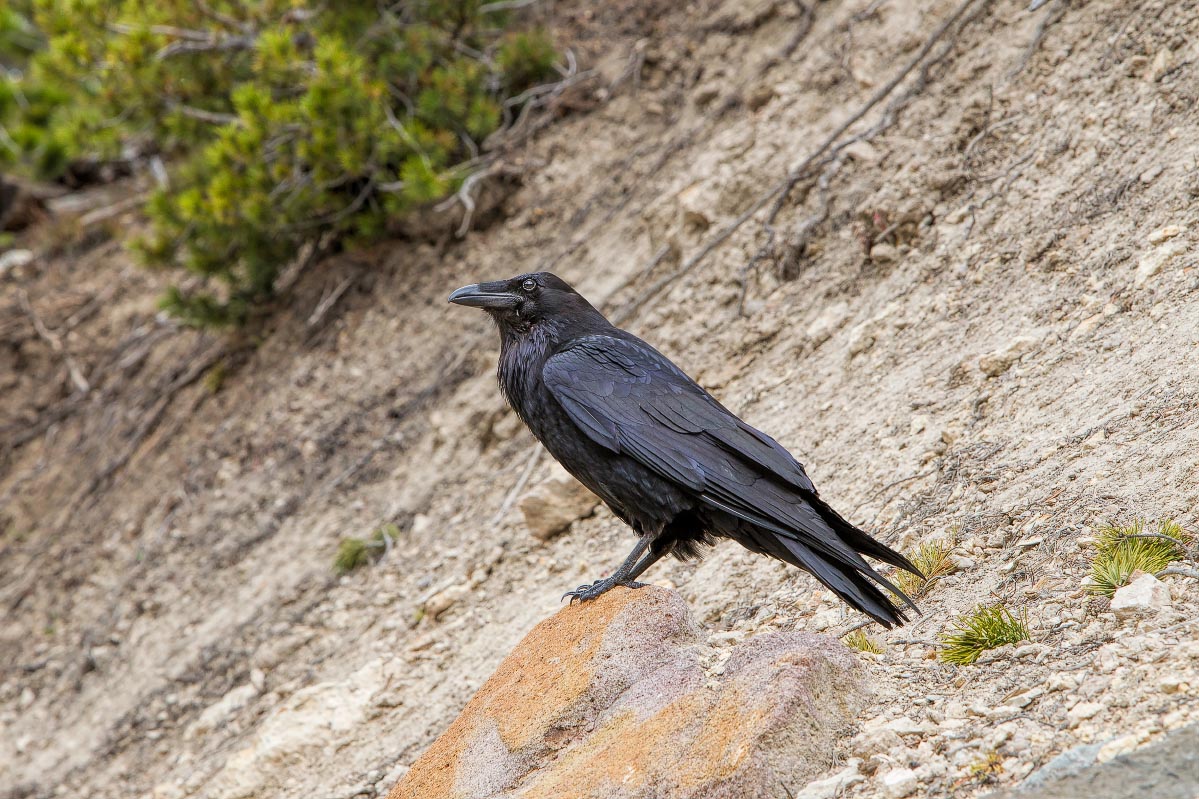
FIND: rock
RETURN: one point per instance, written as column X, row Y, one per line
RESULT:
column 862, row 151
column 875, row 741
column 1143, row 596
column 1171, row 684
column 833, row 786
column 219, row 711
column 993, row 364
column 760, row 97
column 899, row 782
column 884, row 254
column 1120, row 746
column 1083, row 711
column 608, row 699
column 1069, row 762
column 906, row 726
column 1163, row 62
column 442, row 601
column 1164, row 234
column 1152, row 262
column 14, row 259
column 697, row 202
column 557, row 503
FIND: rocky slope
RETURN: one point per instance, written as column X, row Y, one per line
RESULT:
column 975, row 319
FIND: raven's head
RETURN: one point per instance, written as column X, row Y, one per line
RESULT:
column 525, row 301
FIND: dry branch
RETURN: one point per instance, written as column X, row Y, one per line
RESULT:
column 55, row 342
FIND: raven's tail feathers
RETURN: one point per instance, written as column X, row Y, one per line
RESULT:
column 850, row 584
column 830, row 549
column 862, row 542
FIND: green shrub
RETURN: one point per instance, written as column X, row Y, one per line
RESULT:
column 285, row 121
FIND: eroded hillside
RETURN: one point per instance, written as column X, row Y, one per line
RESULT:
column 972, row 315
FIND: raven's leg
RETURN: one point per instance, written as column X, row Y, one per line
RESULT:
column 625, row 574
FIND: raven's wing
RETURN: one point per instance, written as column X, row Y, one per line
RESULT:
column 623, row 394
column 629, row 398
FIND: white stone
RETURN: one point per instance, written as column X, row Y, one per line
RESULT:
column 1083, row 711
column 1152, row 262
column 444, row 600
column 14, row 259
column 828, row 322
column 1144, row 595
column 906, row 726
column 864, row 336
column 876, row 741
column 899, row 782
column 833, row 786
column 993, row 364
column 1164, row 233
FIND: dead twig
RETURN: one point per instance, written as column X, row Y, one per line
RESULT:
column 1010, row 175
column 465, row 198
column 806, row 20
column 1111, row 45
column 327, row 301
column 55, row 342
column 1182, row 571
column 203, row 115
column 505, row 5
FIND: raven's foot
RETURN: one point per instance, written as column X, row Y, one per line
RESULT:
column 592, row 590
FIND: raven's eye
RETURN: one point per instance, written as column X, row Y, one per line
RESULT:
column 529, row 284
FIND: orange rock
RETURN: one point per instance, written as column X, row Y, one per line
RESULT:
column 609, row 699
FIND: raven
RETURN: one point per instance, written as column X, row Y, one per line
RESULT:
column 667, row 458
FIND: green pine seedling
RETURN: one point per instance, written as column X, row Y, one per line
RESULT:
column 986, row 627
column 354, row 553
column 933, row 560
column 863, row 643
column 1125, row 550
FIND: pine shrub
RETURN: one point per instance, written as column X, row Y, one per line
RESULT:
column 284, row 121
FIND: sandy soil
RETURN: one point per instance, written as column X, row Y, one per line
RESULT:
column 979, row 321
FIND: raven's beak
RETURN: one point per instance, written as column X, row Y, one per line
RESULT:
column 484, row 295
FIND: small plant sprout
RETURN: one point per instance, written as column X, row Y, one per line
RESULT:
column 986, row 627
column 1121, row 551
column 863, row 643
column 933, row 559
column 354, row 553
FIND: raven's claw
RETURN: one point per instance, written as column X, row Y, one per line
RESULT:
column 592, row 590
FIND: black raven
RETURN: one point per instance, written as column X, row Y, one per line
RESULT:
column 666, row 457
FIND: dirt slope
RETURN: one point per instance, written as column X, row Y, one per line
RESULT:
column 979, row 320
